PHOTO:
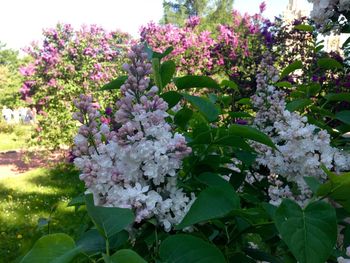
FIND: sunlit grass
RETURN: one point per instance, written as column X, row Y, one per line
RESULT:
column 38, row 195
column 16, row 139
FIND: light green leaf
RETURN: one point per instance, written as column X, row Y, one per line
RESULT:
column 54, row 248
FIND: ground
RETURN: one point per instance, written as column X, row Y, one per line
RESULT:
column 34, row 192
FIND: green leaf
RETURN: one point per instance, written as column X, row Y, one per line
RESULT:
column 344, row 96
column 283, row 84
column 313, row 183
column 311, row 233
column 229, row 83
column 182, row 117
column 54, row 248
column 156, row 73
column 221, row 198
column 343, row 116
column 233, row 141
column 160, row 56
column 126, row 256
column 77, row 201
column 183, row 248
column 251, row 133
column 303, row 27
column 92, row 241
column 292, row 67
column 171, row 97
column 115, row 84
column 337, row 188
column 298, row 104
column 329, row 63
column 188, row 82
column 167, row 70
column 108, row 220
column 205, row 107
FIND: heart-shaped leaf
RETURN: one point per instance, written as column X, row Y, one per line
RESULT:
column 310, row 233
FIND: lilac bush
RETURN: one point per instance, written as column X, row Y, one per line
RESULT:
column 67, row 64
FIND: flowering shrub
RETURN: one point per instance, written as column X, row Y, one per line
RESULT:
column 173, row 180
column 134, row 165
column 67, row 64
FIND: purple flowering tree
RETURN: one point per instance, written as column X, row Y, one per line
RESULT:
column 66, row 64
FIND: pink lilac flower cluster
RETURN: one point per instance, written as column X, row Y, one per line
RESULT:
column 231, row 49
column 133, row 161
column 301, row 147
column 345, row 260
column 192, row 48
column 326, row 11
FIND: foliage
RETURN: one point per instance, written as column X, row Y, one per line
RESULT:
column 66, row 64
column 249, row 175
column 35, row 204
column 10, row 79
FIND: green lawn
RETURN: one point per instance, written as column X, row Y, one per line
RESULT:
column 16, row 139
column 28, row 200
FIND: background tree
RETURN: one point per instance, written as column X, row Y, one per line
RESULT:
column 10, row 79
column 213, row 12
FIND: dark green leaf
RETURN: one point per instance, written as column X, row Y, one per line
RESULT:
column 126, row 256
column 160, row 56
column 171, row 97
column 115, row 84
column 290, row 68
column 345, row 96
column 188, row 82
column 92, row 241
column 251, row 133
column 167, row 70
column 77, row 201
column 313, row 183
column 311, row 233
column 156, row 73
column 183, row 248
column 108, row 220
column 182, row 117
column 205, row 107
column 343, row 116
column 329, row 63
column 298, row 104
column 54, row 248
column 221, row 199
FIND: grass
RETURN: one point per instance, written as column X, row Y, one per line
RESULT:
column 14, row 137
column 34, row 204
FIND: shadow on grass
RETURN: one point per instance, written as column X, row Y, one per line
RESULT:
column 41, row 196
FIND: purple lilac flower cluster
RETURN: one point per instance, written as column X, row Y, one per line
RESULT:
column 133, row 162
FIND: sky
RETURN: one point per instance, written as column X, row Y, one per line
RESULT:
column 22, row 21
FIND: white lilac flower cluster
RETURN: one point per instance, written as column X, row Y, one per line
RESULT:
column 133, row 162
column 302, row 147
column 344, row 260
column 324, row 10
